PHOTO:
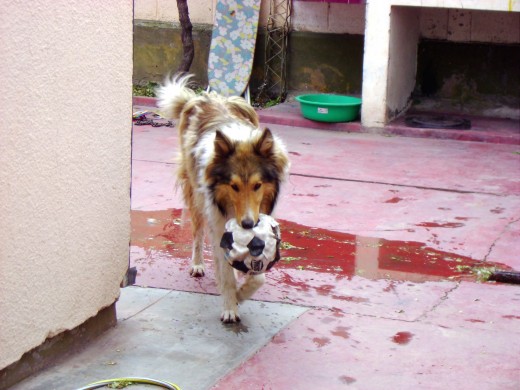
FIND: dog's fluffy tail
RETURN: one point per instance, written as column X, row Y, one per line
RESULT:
column 174, row 94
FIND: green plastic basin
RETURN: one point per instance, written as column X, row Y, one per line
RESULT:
column 329, row 108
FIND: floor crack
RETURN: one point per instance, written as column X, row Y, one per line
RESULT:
column 397, row 185
column 441, row 300
column 506, row 228
column 147, row 306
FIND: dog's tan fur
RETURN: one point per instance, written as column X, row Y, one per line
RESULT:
column 229, row 168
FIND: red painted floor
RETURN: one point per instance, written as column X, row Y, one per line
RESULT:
column 495, row 130
column 384, row 239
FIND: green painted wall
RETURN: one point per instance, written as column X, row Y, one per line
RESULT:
column 334, row 63
column 317, row 62
column 158, row 51
column 326, row 62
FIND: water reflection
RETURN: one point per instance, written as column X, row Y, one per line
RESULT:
column 160, row 237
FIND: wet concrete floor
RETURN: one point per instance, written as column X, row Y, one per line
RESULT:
column 385, row 241
column 164, row 240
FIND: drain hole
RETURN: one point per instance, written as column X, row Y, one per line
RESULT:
column 437, row 122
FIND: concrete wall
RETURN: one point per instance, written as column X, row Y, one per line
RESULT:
column 307, row 15
column 65, row 142
column 402, row 61
column 375, row 65
column 158, row 51
column 392, row 35
column 201, row 11
column 463, row 25
column 485, row 5
column 332, row 32
column 458, row 21
column 330, row 61
column 327, row 63
column 323, row 17
column 324, row 53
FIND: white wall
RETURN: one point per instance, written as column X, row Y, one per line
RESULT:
column 65, row 133
column 487, row 5
column 328, row 17
column 402, row 61
column 307, row 16
column 462, row 25
column 201, row 11
column 452, row 20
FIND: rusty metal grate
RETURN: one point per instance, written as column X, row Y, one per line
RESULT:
column 278, row 25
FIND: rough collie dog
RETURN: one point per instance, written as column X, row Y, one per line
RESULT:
column 229, row 168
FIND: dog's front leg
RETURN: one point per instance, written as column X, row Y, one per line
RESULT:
column 197, row 230
column 197, row 257
column 228, row 288
column 251, row 284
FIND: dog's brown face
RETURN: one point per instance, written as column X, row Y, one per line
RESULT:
column 245, row 177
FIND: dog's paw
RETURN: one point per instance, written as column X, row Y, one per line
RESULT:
column 229, row 317
column 197, row 270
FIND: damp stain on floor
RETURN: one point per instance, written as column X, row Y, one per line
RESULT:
column 161, row 247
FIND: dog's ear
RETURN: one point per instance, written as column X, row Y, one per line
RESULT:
column 223, row 145
column 264, row 145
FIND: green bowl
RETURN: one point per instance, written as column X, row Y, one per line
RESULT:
column 329, row 108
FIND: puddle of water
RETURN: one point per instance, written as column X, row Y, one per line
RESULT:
column 162, row 236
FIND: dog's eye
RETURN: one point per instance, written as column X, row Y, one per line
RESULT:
column 235, row 187
column 257, row 186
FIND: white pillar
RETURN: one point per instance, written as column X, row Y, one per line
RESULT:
column 375, row 63
column 390, row 61
column 402, row 60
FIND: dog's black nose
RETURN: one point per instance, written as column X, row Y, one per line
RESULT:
column 248, row 223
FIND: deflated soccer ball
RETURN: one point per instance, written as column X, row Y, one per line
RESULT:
column 252, row 251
